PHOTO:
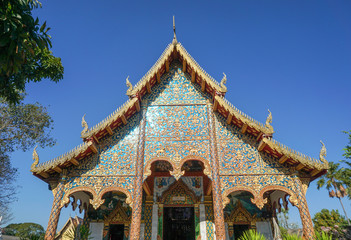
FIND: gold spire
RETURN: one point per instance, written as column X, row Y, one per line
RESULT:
column 174, row 33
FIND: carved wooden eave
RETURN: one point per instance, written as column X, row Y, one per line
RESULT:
column 299, row 161
column 175, row 51
column 43, row 170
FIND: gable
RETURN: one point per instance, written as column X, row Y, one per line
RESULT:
column 175, row 91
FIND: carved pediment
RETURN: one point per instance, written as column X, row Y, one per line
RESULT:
column 178, row 193
column 118, row 215
column 240, row 215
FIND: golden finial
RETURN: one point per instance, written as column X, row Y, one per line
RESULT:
column 174, row 32
column 35, row 157
column 130, row 87
column 323, row 153
column 85, row 126
column 223, row 82
column 269, row 121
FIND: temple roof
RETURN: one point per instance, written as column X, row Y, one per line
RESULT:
column 175, row 51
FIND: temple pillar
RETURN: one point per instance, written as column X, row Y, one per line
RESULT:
column 307, row 225
column 160, row 222
column 216, row 188
column 126, row 231
column 202, row 222
column 105, row 231
column 197, row 221
column 231, row 230
column 138, row 184
column 154, row 223
column 148, row 218
column 55, row 210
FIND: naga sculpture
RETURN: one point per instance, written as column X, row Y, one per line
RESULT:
column 35, row 157
column 223, row 82
column 269, row 121
column 130, row 87
column 85, row 126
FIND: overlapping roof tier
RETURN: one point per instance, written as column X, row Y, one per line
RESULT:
column 175, row 51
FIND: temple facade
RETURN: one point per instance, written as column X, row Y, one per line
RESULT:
column 178, row 161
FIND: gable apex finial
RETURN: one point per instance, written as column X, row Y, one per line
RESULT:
column 174, row 32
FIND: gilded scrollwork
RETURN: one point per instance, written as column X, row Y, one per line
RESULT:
column 176, row 88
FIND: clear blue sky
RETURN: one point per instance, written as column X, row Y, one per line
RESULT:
column 293, row 57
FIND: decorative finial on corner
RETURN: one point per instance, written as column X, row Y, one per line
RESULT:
column 223, row 82
column 130, row 87
column 269, row 121
column 174, row 32
column 35, row 157
column 323, row 153
column 85, row 126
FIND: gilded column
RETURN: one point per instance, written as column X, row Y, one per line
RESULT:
column 126, row 232
column 148, row 217
column 160, row 222
column 216, row 188
column 55, row 210
column 197, row 221
column 307, row 225
column 138, row 184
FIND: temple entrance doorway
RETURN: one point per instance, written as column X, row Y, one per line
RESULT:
column 116, row 232
column 179, row 223
column 240, row 229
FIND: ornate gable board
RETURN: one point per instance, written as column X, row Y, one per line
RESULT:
column 182, row 92
column 240, row 215
column 179, row 190
column 118, row 215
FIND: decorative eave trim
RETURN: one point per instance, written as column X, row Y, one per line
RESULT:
column 154, row 69
column 199, row 70
column 118, row 113
column 296, row 156
column 45, row 166
column 245, row 119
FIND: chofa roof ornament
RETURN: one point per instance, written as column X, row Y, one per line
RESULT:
column 85, row 127
column 323, row 154
column 269, row 121
column 223, row 82
column 130, row 87
column 35, row 157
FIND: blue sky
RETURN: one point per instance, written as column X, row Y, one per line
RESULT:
column 292, row 57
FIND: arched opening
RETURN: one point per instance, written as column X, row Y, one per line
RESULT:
column 241, row 214
column 174, row 196
column 112, row 218
column 74, row 210
column 284, row 217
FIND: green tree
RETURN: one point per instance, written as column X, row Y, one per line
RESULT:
column 332, row 180
column 24, row 49
column 21, row 127
column 346, row 172
column 330, row 222
column 25, row 230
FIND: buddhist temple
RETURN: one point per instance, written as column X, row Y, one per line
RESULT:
column 178, row 161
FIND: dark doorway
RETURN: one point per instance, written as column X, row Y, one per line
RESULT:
column 116, row 232
column 178, row 223
column 239, row 230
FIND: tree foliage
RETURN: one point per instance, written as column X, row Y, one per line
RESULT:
column 21, row 127
column 24, row 49
column 330, row 221
column 25, row 230
column 346, row 172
